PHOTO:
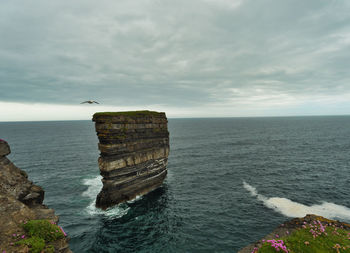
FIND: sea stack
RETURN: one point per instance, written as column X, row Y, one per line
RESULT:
column 134, row 150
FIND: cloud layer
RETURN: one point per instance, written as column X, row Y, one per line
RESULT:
column 261, row 57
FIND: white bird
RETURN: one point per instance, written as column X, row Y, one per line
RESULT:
column 89, row 102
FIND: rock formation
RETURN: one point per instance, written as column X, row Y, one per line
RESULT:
column 20, row 201
column 134, row 154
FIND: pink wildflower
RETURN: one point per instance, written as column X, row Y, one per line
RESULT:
column 255, row 250
column 62, row 231
column 278, row 245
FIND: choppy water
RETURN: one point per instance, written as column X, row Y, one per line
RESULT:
column 230, row 181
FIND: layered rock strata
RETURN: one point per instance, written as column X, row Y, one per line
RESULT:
column 134, row 154
column 20, row 201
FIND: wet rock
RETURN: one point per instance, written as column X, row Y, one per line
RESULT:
column 134, row 154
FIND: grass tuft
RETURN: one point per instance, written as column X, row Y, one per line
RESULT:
column 40, row 233
column 36, row 244
column 43, row 229
column 128, row 113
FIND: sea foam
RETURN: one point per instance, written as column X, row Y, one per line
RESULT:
column 293, row 209
column 94, row 187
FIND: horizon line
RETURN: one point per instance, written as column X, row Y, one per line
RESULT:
column 219, row 117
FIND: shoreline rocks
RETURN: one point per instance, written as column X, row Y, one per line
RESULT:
column 20, row 201
column 134, row 154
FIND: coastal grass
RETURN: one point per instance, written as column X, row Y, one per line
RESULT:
column 128, row 113
column 40, row 233
column 310, row 238
column 35, row 244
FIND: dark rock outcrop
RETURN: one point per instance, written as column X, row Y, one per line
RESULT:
column 20, row 201
column 134, row 154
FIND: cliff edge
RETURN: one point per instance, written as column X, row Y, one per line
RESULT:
column 311, row 233
column 21, row 202
column 134, row 154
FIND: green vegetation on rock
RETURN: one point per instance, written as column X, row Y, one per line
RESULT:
column 40, row 233
column 36, row 244
column 43, row 229
column 128, row 113
column 311, row 238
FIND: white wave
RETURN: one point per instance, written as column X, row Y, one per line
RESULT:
column 138, row 197
column 293, row 209
column 94, row 187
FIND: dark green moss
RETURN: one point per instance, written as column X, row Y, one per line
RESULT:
column 129, row 114
column 49, row 249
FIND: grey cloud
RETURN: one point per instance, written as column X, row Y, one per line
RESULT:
column 174, row 53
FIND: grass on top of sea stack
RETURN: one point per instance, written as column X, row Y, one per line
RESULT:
column 310, row 238
column 129, row 113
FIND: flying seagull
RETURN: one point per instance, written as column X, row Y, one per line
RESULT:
column 89, row 102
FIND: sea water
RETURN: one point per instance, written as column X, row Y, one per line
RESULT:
column 230, row 181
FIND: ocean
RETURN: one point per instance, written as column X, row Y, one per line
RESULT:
column 230, row 181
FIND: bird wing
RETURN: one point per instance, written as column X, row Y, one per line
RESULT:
column 96, row 102
column 84, row 102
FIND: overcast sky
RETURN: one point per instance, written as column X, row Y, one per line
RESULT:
column 189, row 58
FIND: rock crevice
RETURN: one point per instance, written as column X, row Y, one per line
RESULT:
column 134, row 150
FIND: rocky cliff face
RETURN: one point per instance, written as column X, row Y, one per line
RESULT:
column 134, row 154
column 20, row 201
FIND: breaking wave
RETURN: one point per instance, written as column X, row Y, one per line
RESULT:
column 94, row 187
column 293, row 209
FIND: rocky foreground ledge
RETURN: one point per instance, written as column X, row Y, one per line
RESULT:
column 134, row 154
column 21, row 203
column 315, row 229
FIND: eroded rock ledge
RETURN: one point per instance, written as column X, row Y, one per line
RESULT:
column 134, row 154
column 20, row 201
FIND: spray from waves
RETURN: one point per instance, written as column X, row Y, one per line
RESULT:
column 138, row 197
column 94, row 187
column 293, row 209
